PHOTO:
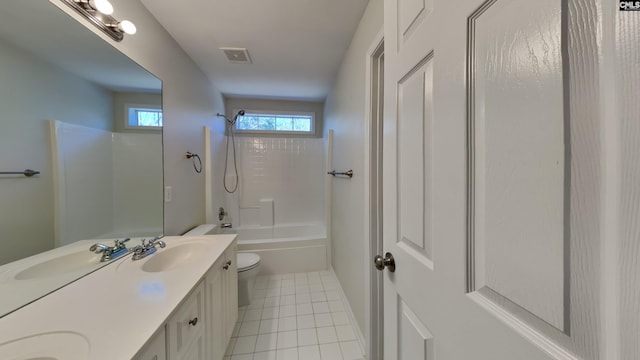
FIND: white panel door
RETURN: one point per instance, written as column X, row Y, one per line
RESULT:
column 493, row 180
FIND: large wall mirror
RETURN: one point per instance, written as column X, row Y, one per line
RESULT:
column 89, row 120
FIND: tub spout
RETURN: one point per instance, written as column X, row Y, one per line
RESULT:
column 226, row 225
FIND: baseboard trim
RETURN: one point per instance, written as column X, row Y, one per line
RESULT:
column 350, row 314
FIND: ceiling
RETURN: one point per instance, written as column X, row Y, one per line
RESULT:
column 296, row 46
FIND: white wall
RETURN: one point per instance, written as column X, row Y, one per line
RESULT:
column 27, row 102
column 137, row 183
column 189, row 100
column 345, row 114
column 83, row 182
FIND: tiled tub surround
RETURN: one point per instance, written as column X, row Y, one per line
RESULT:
column 289, row 171
column 301, row 316
column 124, row 204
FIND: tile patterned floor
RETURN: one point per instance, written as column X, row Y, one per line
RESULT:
column 295, row 317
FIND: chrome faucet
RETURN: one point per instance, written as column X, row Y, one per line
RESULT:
column 147, row 248
column 110, row 252
column 226, row 225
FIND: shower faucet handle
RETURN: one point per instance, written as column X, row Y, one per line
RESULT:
column 221, row 213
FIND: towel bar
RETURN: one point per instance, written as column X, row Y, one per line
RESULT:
column 348, row 173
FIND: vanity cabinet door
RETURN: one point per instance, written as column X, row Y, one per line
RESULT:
column 186, row 328
column 155, row 349
column 215, row 294
column 196, row 350
column 231, row 292
column 222, row 303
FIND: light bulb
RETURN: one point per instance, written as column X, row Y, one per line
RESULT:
column 104, row 6
column 127, row 27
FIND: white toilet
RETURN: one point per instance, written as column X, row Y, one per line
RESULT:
column 248, row 268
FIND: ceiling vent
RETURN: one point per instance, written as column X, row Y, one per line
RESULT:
column 237, row 55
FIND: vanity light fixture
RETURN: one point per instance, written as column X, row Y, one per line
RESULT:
column 98, row 12
column 127, row 27
column 104, row 6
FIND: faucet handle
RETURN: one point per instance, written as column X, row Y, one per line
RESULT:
column 119, row 244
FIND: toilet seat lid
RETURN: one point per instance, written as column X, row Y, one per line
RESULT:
column 247, row 261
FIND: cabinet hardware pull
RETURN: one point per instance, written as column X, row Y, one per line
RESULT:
column 193, row 321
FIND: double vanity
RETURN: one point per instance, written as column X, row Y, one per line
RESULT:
column 177, row 303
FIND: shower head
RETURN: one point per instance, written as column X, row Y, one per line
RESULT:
column 240, row 113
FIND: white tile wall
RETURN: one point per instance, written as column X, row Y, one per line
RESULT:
column 288, row 170
column 85, row 160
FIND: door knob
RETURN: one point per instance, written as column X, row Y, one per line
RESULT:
column 387, row 261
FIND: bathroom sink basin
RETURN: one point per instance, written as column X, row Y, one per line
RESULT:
column 80, row 260
column 174, row 256
column 47, row 346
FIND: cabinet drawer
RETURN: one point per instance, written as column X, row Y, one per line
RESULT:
column 187, row 324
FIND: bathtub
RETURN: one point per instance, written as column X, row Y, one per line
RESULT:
column 282, row 248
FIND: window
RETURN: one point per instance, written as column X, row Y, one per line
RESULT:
column 281, row 122
column 143, row 117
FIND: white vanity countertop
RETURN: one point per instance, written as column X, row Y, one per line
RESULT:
column 116, row 309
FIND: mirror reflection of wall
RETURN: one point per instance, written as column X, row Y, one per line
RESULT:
column 64, row 95
column 31, row 92
column 103, row 186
